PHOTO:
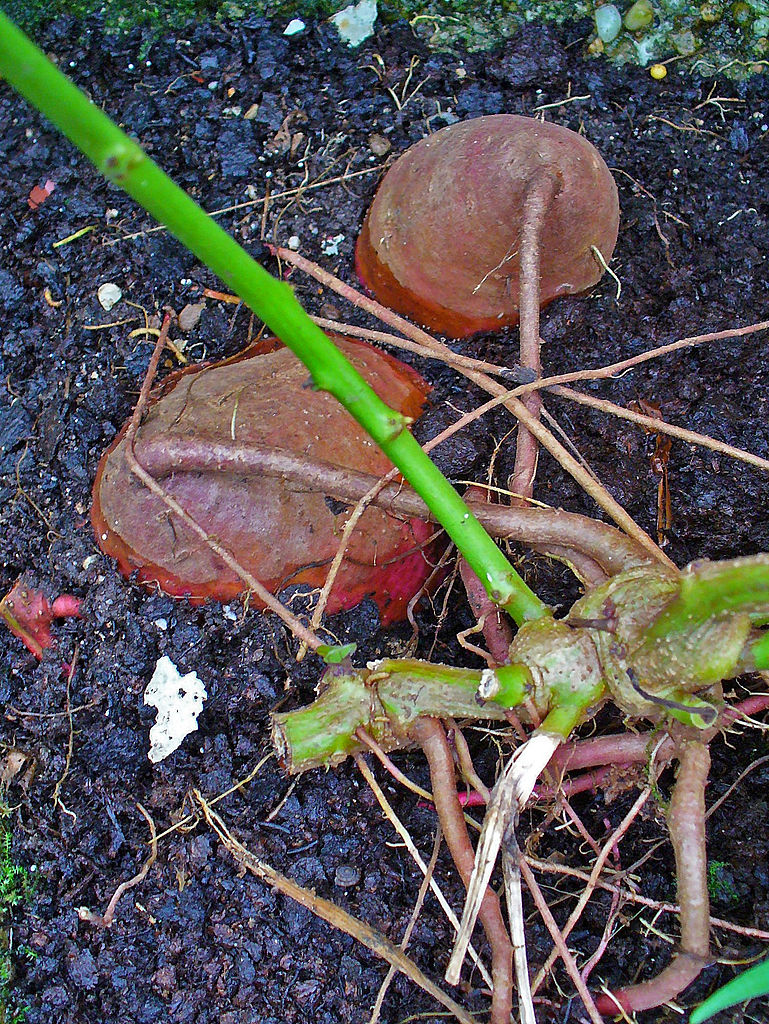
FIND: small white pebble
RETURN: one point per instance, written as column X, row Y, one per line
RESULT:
column 294, row 26
column 162, row 624
column 293, row 242
column 109, row 294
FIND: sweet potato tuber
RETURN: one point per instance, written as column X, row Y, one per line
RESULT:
column 282, row 533
column 441, row 240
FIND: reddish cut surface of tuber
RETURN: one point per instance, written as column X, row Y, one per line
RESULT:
column 282, row 533
column 28, row 614
column 441, row 240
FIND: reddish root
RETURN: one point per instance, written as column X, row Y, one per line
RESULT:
column 538, row 199
column 430, row 735
column 686, row 822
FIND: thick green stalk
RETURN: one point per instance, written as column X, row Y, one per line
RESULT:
column 711, row 589
column 385, row 700
column 125, row 164
column 756, row 655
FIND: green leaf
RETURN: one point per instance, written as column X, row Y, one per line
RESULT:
column 748, row 985
column 336, row 654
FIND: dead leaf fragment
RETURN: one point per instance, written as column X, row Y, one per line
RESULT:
column 28, row 615
column 190, row 315
column 11, row 766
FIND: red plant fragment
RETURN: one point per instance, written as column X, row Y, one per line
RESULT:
column 282, row 533
column 40, row 193
column 28, row 614
column 441, row 240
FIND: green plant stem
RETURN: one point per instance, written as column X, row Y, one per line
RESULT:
column 123, row 161
column 712, row 589
column 385, row 700
column 758, row 654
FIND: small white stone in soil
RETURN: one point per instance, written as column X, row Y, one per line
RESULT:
column 294, row 27
column 330, row 245
column 108, row 294
column 293, row 242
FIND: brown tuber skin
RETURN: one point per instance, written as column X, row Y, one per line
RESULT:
column 283, row 533
column 441, row 240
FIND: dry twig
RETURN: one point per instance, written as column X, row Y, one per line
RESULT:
column 329, row 912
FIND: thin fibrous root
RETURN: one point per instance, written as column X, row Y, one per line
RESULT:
column 509, row 795
column 545, row 528
column 538, row 198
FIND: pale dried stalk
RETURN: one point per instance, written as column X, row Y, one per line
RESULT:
column 426, row 882
column 553, row 382
column 327, row 911
column 428, row 732
column 662, row 427
column 599, row 493
column 509, row 795
column 563, row 949
column 512, row 875
column 403, row 832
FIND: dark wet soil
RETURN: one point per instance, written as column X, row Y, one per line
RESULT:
column 196, row 942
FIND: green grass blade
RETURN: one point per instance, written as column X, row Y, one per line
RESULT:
column 749, row 985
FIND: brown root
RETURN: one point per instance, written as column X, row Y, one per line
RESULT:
column 430, row 735
column 686, row 822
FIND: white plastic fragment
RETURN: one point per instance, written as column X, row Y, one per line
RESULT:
column 179, row 701
column 356, row 22
column 294, row 27
column 330, row 244
column 108, row 294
